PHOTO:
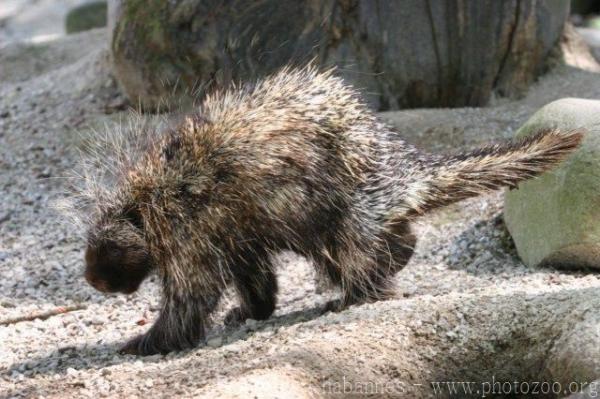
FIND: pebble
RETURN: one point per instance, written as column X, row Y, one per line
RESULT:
column 251, row 324
column 214, row 342
column 7, row 303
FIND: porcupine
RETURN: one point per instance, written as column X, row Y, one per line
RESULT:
column 293, row 162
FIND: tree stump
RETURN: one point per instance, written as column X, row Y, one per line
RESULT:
column 414, row 53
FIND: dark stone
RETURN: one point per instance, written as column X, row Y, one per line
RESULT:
column 86, row 16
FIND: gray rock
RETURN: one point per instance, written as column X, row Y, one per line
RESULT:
column 403, row 53
column 577, row 352
column 554, row 219
column 215, row 342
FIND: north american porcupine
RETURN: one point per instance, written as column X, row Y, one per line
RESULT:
column 294, row 162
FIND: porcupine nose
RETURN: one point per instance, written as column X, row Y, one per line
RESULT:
column 94, row 282
column 90, row 263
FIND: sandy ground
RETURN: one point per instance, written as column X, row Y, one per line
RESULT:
column 463, row 251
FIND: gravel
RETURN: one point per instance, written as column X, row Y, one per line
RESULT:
column 463, row 249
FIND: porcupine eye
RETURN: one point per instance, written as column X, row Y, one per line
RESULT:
column 133, row 216
column 171, row 148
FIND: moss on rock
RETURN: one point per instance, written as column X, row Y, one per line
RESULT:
column 87, row 16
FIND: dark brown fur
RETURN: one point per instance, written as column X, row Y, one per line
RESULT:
column 295, row 162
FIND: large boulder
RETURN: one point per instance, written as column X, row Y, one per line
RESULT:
column 555, row 219
column 403, row 54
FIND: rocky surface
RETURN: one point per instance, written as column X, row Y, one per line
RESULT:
column 554, row 219
column 467, row 308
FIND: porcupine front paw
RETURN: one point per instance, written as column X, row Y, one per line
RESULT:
column 133, row 346
column 140, row 346
column 143, row 345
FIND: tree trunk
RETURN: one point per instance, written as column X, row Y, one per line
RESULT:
column 413, row 53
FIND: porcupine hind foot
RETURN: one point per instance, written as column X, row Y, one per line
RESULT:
column 256, row 286
column 394, row 249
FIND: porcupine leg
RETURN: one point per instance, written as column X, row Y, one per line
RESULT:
column 345, row 269
column 396, row 247
column 256, row 284
column 180, row 325
column 394, row 250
